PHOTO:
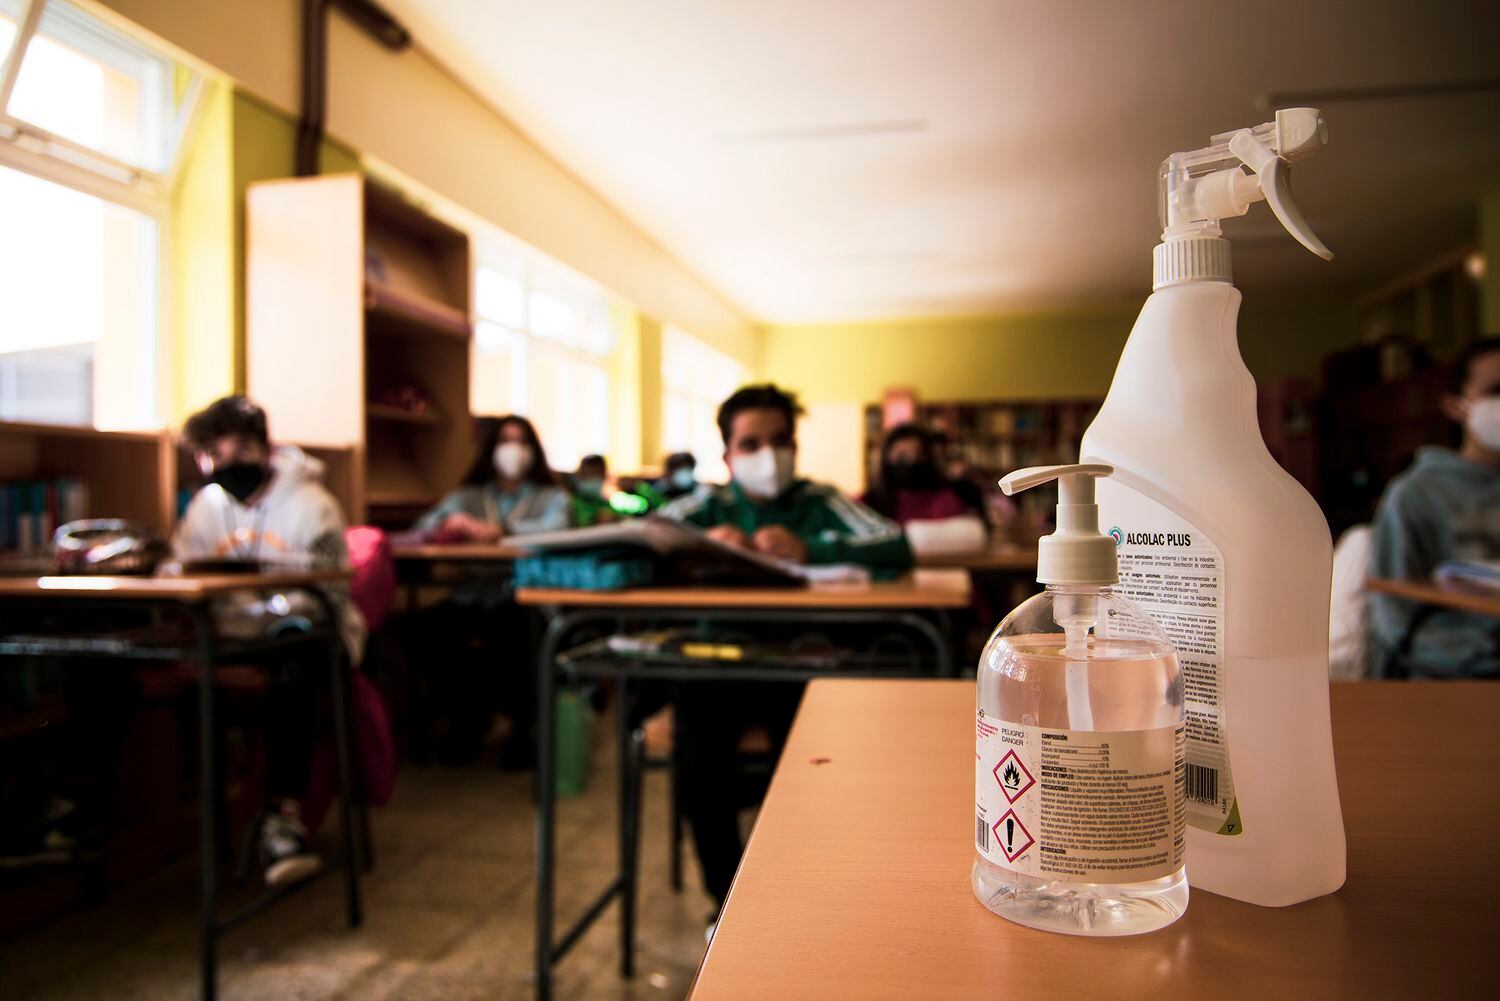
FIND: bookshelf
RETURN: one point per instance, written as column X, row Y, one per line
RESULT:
column 141, row 476
column 993, row 438
column 358, row 334
column 123, row 474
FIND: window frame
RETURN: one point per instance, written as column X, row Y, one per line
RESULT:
column 40, row 153
column 75, row 160
column 499, row 253
column 686, row 392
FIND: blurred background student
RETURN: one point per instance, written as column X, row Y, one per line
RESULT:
column 765, row 507
column 911, row 488
column 268, row 505
column 1444, row 507
column 680, row 476
column 509, row 491
column 590, row 492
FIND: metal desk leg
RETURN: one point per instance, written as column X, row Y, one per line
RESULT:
column 340, row 694
column 546, row 798
column 629, row 802
column 209, row 793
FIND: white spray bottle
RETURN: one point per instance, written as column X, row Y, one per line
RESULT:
column 1224, row 548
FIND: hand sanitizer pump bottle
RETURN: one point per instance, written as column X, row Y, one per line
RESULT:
column 1217, row 542
column 1079, row 813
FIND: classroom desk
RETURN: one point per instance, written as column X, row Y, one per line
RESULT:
column 1430, row 597
column 455, row 552
column 418, row 563
column 24, row 599
column 1439, row 596
column 910, row 603
column 856, row 880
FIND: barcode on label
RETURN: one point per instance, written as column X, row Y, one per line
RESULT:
column 1202, row 784
column 981, row 833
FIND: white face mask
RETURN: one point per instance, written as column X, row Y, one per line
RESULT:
column 1483, row 422
column 764, row 473
column 512, row 459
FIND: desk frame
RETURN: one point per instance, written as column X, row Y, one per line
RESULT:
column 209, row 651
column 932, row 627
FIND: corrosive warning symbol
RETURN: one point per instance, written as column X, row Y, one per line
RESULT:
column 1013, row 777
column 1012, row 835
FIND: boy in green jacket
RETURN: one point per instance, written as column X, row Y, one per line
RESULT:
column 765, row 507
column 768, row 509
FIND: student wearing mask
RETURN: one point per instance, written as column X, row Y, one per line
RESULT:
column 768, row 508
column 1445, row 506
column 939, row 516
column 590, row 505
column 268, row 505
column 509, row 489
column 681, row 476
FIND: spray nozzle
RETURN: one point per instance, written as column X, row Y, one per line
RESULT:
column 1075, row 554
column 1200, row 187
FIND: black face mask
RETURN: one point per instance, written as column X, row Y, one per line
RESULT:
column 915, row 476
column 241, row 479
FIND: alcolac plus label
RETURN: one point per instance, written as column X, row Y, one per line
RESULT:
column 1176, row 573
column 1087, row 806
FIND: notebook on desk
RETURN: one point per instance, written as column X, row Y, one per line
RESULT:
column 689, row 553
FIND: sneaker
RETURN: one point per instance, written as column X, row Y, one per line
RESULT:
column 284, row 855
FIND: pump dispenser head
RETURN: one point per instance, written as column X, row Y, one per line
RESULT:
column 1076, row 554
column 1200, row 187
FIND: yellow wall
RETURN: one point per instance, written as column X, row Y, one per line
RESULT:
column 204, row 264
column 839, row 368
column 236, row 140
column 1044, row 355
column 1019, row 356
column 409, row 112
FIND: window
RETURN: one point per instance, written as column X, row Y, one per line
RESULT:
column 541, row 348
column 697, row 378
column 77, row 283
column 90, row 123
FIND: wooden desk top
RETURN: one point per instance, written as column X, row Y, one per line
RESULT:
column 1006, row 559
column 462, row 552
column 856, row 881
column 187, row 589
column 917, row 589
column 1443, row 595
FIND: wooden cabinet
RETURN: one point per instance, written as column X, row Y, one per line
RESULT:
column 141, row 476
column 358, row 334
column 122, row 474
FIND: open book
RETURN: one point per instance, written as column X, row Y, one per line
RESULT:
column 1477, row 575
column 689, row 544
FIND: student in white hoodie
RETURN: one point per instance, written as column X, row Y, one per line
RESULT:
column 267, row 505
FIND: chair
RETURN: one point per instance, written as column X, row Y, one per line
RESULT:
column 1348, row 639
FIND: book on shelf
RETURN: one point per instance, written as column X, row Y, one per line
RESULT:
column 32, row 510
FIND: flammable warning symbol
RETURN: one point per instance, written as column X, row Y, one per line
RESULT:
column 1012, row 836
column 1013, row 777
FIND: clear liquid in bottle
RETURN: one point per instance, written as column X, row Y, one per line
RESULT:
column 1080, row 816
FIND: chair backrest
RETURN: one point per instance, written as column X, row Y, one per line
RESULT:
column 1348, row 652
column 373, row 584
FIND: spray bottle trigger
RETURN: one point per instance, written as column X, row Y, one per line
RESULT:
column 1275, row 184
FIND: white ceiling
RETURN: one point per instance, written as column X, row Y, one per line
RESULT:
column 844, row 159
